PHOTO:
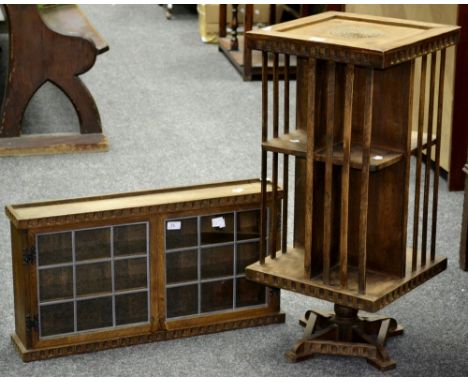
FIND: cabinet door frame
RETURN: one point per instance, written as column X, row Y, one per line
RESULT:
column 271, row 295
column 94, row 335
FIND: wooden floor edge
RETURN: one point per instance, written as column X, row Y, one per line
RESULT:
column 28, row 355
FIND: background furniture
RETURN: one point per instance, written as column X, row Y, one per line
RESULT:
column 352, row 147
column 56, row 44
column 168, row 9
column 118, row 270
column 459, row 136
column 464, row 228
column 233, row 47
column 246, row 62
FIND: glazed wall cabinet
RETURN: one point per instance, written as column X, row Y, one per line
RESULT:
column 104, row 272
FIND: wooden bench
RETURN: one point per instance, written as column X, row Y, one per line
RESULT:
column 54, row 43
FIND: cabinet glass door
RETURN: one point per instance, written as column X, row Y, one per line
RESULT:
column 205, row 261
column 93, row 278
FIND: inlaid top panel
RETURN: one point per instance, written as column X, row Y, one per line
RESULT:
column 359, row 39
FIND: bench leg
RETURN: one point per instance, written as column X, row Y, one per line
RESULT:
column 17, row 96
column 83, row 102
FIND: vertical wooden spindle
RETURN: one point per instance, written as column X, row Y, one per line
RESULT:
column 247, row 52
column 417, row 188
column 435, row 195
column 427, row 171
column 327, row 201
column 311, row 80
column 234, row 25
column 263, row 208
column 408, row 155
column 364, row 191
column 284, row 233
column 274, row 208
column 347, row 122
column 222, row 20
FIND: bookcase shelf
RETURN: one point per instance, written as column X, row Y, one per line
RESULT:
column 378, row 158
column 352, row 143
column 295, row 142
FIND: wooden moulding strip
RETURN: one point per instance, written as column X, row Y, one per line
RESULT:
column 263, row 215
column 274, row 207
column 327, row 200
column 417, row 189
column 347, row 120
column 135, row 204
column 364, row 192
column 427, row 176
column 370, row 302
column 311, row 82
column 284, row 232
column 440, row 104
column 28, row 355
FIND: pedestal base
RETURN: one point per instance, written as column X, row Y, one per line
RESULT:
column 348, row 334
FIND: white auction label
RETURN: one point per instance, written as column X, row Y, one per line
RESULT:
column 174, row 225
column 218, row 222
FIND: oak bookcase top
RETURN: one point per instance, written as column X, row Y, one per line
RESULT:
column 351, row 38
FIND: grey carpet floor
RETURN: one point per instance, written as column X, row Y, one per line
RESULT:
column 176, row 113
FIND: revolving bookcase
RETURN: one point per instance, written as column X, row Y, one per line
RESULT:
column 104, row 272
column 352, row 144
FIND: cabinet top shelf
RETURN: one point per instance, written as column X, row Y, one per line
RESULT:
column 351, row 38
column 132, row 204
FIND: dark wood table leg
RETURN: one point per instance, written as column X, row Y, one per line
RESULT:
column 464, row 229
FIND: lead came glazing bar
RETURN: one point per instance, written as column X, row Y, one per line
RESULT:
column 347, row 120
column 440, row 104
column 284, row 233
column 274, row 208
column 311, row 79
column 364, row 192
column 263, row 217
column 427, row 176
column 327, row 207
column 417, row 189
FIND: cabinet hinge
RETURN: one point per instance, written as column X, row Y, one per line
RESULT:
column 29, row 255
column 32, row 322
